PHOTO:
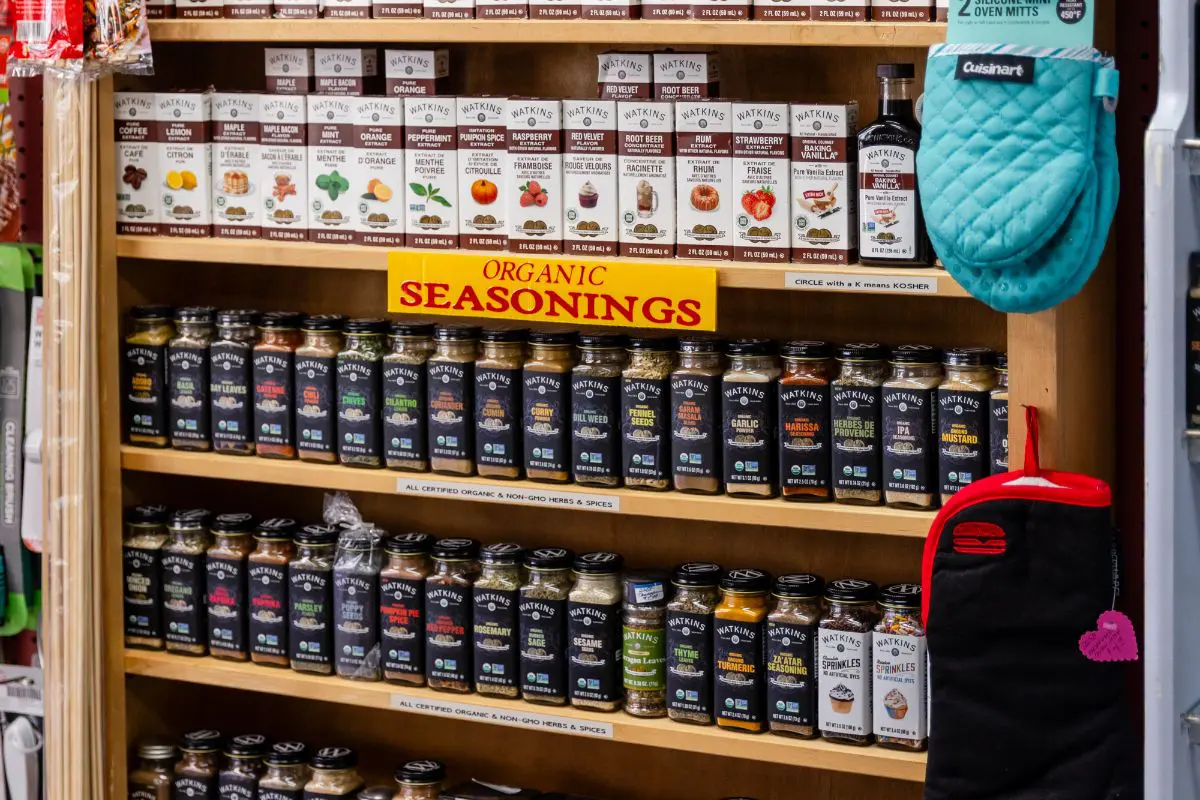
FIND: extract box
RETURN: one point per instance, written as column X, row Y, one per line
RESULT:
column 431, row 172
column 840, row 10
column 378, row 175
column 902, row 10
column 761, row 182
column 824, row 155
column 282, row 172
column 646, row 178
column 704, row 178
column 332, row 184
column 347, row 71
column 482, row 166
column 686, row 76
column 185, row 161
column 535, row 184
column 416, row 73
column 289, row 70
column 237, row 206
column 139, row 200
column 589, row 166
column 624, row 76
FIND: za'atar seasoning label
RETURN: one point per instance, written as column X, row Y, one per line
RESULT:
column 595, row 410
column 791, row 673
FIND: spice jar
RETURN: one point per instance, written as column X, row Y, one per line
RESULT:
column 910, row 427
column 334, row 774
column 804, row 431
column 151, row 778
column 360, row 394
column 316, row 388
column 546, row 405
column 498, row 403
column 645, row 406
column 963, row 404
column 596, row 408
column 195, row 774
column 451, row 381
column 145, row 367
column 695, row 415
column 267, row 569
column 495, row 600
column 690, row 642
column 420, row 780
column 238, row 779
column 310, row 600
column 231, row 380
column 740, row 688
column 749, row 403
column 142, row 552
column 644, row 648
column 844, row 661
column 226, row 587
column 857, row 417
column 379, row 791
column 286, row 772
column 188, row 412
column 998, row 418
column 448, row 645
column 405, row 399
column 542, row 625
column 791, row 655
column 274, row 384
column 185, row 625
column 356, row 603
column 594, row 640
column 402, row 607
column 900, row 687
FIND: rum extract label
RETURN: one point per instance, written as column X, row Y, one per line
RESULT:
column 188, row 379
column 145, row 399
column 595, row 430
column 857, row 419
column 451, row 398
column 963, row 451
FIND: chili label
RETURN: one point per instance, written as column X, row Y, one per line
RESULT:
column 594, row 646
column 189, row 787
column 226, row 599
column 541, row 633
column 316, row 392
column 909, row 430
column 998, row 435
column 644, row 655
column 183, row 598
column 689, row 662
column 748, row 428
column 451, row 398
column 309, row 598
column 804, row 436
column 145, row 377
column 497, row 424
column 358, row 396
column 355, row 621
column 844, row 697
column 404, row 399
column 402, row 625
column 274, row 373
column 268, row 609
column 188, row 411
column 229, row 393
column 695, row 441
column 595, row 406
column 738, row 653
column 856, row 421
column 791, row 674
column 495, row 636
column 447, row 632
column 962, row 430
column 644, row 446
column 143, row 592
column 544, row 420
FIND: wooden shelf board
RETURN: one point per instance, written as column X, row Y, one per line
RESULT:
column 657, row 33
column 358, row 257
column 662, row 733
column 671, row 505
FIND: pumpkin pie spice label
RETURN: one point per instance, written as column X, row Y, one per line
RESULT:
column 402, row 625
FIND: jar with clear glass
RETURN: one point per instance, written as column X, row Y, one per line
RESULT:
column 498, row 452
column 145, row 376
column 188, row 412
column 899, row 669
column 547, row 406
column 360, row 394
column 243, row 766
column 749, row 407
column 450, row 374
column 356, row 603
column 266, row 568
column 791, row 666
column 285, row 771
column 402, row 607
column 316, row 388
column 152, row 777
column 964, row 400
column 644, row 643
column 596, row 410
column 645, row 412
column 998, row 418
column 231, row 382
column 334, row 774
column 227, row 588
column 196, row 771
column 804, row 432
column 141, row 548
column 405, row 397
column 448, row 602
column 310, row 600
column 496, row 597
column 856, row 413
column 594, row 633
column 274, row 384
column 909, row 427
column 185, row 623
column 696, row 415
column 739, row 622
column 543, row 625
column 690, row 642
column 844, row 712
column 420, row 780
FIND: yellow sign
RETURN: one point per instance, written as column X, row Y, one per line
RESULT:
column 541, row 288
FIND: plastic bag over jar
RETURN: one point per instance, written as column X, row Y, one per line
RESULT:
column 356, row 569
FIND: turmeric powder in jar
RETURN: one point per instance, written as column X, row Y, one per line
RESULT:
column 804, row 430
column 451, row 384
column 274, row 384
column 546, row 406
column 738, row 627
column 145, row 381
column 498, row 452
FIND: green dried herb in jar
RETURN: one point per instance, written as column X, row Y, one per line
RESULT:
column 496, row 598
column 360, row 394
column 644, row 651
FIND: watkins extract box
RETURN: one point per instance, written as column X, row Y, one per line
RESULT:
column 377, row 181
column 199, row 9
column 295, row 9
column 160, row 9
column 501, row 9
column 761, row 182
column 535, row 187
column 624, row 76
column 346, row 71
column 646, row 178
column 686, row 76
column 282, row 172
column 397, row 9
column 482, row 185
column 840, row 10
column 720, row 9
column 941, row 11
column 289, row 70
column 449, row 9
column 555, row 9
column 824, row 150
column 782, row 9
column 246, row 9
column 611, row 9
column 237, row 207
column 331, row 162
column 902, row 10
column 185, row 161
column 704, row 178
column 589, row 166
column 431, row 172
column 415, row 73
column 139, row 182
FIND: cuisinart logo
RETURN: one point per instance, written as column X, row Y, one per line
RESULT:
column 1008, row 69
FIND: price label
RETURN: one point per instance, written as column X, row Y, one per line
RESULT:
column 1036, row 23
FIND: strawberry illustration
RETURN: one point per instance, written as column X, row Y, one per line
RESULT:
column 766, row 195
column 749, row 201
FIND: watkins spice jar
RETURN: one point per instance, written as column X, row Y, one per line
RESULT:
column 227, row 588
column 142, row 552
column 238, row 779
column 196, row 771
column 231, row 382
column 596, row 408
column 285, row 772
column 740, row 695
column 310, row 600
column 356, row 603
column 188, row 412
column 645, row 406
column 145, row 367
column 844, row 661
column 267, row 570
column 594, row 633
column 496, row 597
column 749, row 400
column 695, row 415
column 644, row 651
column 964, row 400
column 451, row 382
column 543, row 629
column 804, row 425
column 546, row 405
column 901, row 684
column 998, row 418
column 402, row 607
column 910, row 427
column 184, row 623
column 316, row 388
column 791, row 655
column 274, row 384
column 420, row 780
column 334, row 774
column 498, row 452
column 448, row 615
column 151, row 779
column 405, row 397
column 856, row 418
column 360, row 393
column 690, row 642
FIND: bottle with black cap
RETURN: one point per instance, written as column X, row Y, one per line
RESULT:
column 543, row 625
column 185, row 625
column 238, row 779
column 420, row 780
column 356, row 603
column 998, row 418
column 645, row 412
column 889, row 203
column 231, row 382
column 791, row 641
column 749, row 405
column 274, row 384
column 310, row 600
column 448, row 623
column 594, row 632
column 316, row 388
column 334, row 774
column 360, row 394
column 227, row 591
column 596, row 408
column 196, row 771
column 145, row 376
column 188, row 412
column 402, row 607
column 498, row 452
column 267, row 570
column 857, row 416
column 740, row 695
column 546, row 405
column 804, row 428
column 844, row 673
column 405, row 397
column 696, row 415
column 286, row 772
column 450, row 377
column 142, row 551
column 690, row 642
column 495, row 597
column 151, row 778
column 900, row 687
column 962, row 423
column 910, row 427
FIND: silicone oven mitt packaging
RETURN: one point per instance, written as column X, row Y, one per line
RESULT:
column 1018, row 168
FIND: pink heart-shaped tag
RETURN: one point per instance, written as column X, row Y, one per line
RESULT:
column 1113, row 639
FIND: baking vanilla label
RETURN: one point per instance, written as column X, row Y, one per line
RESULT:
column 900, row 686
column 888, row 202
column 844, row 682
column 535, row 178
column 761, row 182
column 824, row 169
column 590, row 177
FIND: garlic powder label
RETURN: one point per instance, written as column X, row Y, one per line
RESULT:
column 888, row 202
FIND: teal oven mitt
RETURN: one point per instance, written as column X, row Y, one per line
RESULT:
column 1018, row 168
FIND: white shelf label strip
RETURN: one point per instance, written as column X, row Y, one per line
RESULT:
column 517, row 495
column 832, row 281
column 515, row 717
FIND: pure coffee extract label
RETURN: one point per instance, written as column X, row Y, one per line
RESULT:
column 183, row 598
column 595, row 430
column 909, row 433
column 901, row 686
column 451, row 398
column 856, row 423
column 448, row 632
column 998, row 435
column 191, row 787
column 145, row 382
column 404, row 404
column 187, row 410
column 237, row 787
column 695, row 425
column 274, row 387
column 143, row 592
column 498, row 417
column 804, row 436
column 962, row 432
column 738, row 657
column 359, row 391
column 316, row 399
column 268, row 609
column 644, row 658
column 545, row 401
column 645, row 405
column 402, row 625
column 791, row 674
column 230, row 379
column 844, row 682
column 226, row 604
column 310, row 601
column 748, row 428
column 355, row 622
column 689, row 662
column 542, row 633
column 594, row 646
column 496, row 629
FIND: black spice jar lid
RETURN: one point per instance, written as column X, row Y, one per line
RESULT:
column 502, row 554
column 233, row 523
column 366, row 326
column 747, row 581
column 423, row 770
column 195, row 314
column 895, row 71
column 205, row 741
column 549, row 558
column 286, row 754
column 1002, row 362
column 237, row 316
column 646, row 587
column 851, row 590
column 697, row 574
column 504, row 335
column 553, row 337
column 380, row 792
column 415, row 328
column 190, row 518
column 248, row 745
column 456, row 333
column 276, row 528
column 808, row 350
column 151, row 311
column 799, row 586
column 602, row 341
column 751, row 347
column 456, row 549
column 599, row 563
column 968, row 357
column 324, row 323
column 901, row 595
column 862, row 351
column 701, row 344
column 334, row 758
column 408, row 544
column 146, row 515
column 654, row 344
column 916, row 354
column 317, row 535
column 281, row 320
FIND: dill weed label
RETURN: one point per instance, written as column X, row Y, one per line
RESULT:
column 595, row 408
